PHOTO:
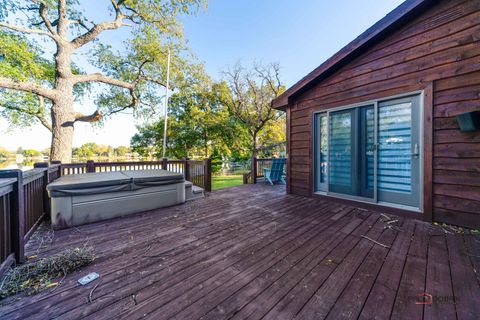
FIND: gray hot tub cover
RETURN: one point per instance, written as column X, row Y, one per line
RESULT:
column 103, row 182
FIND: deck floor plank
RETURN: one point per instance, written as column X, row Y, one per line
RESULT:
column 412, row 283
column 438, row 269
column 254, row 252
column 465, row 285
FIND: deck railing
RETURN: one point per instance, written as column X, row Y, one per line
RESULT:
column 196, row 171
column 23, row 204
column 256, row 169
column 24, row 200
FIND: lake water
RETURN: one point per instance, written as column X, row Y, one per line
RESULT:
column 27, row 164
column 12, row 164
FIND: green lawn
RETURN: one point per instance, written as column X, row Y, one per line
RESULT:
column 220, row 182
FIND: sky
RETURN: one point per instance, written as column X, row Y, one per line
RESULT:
column 299, row 35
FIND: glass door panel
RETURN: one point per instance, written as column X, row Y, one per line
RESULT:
column 398, row 151
column 340, row 152
column 321, row 147
column 366, row 152
column 351, row 152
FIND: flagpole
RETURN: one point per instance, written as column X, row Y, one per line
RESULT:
column 165, row 114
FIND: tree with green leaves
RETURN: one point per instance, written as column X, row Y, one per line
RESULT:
column 198, row 124
column 42, row 87
column 250, row 96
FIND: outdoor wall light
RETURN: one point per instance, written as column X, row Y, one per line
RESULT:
column 469, row 121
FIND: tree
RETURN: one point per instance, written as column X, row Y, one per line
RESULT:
column 251, row 94
column 31, row 153
column 121, row 151
column 4, row 153
column 47, row 85
column 198, row 124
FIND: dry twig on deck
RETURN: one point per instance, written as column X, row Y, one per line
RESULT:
column 376, row 242
column 385, row 216
column 90, row 295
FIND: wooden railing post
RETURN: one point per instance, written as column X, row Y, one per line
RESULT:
column 46, row 181
column 17, row 218
column 186, row 169
column 207, row 174
column 59, row 167
column 254, row 170
column 164, row 163
column 90, row 166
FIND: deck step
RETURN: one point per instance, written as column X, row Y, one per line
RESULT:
column 193, row 192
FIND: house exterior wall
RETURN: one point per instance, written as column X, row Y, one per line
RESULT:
column 438, row 52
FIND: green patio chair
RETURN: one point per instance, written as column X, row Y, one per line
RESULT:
column 275, row 173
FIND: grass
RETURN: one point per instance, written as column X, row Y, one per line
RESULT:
column 220, row 182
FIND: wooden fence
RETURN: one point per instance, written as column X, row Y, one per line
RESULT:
column 256, row 169
column 24, row 200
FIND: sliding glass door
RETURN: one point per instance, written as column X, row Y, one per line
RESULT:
column 370, row 151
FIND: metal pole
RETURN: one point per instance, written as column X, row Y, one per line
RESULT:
column 166, row 106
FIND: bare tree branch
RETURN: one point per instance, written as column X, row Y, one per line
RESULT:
column 40, row 116
column 26, row 30
column 62, row 27
column 43, row 11
column 99, row 77
column 27, row 87
column 94, row 117
column 99, row 28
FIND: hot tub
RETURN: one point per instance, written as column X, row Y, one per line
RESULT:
column 84, row 198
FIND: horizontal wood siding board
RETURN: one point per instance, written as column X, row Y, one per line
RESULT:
column 300, row 152
column 457, row 150
column 299, row 168
column 467, row 93
column 445, row 123
column 464, row 192
column 454, row 177
column 459, row 218
column 457, row 164
column 456, row 136
column 296, row 113
column 457, row 81
column 455, row 108
column 301, row 128
column 457, row 204
column 303, row 121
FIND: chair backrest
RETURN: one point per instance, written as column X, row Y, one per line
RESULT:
column 277, row 168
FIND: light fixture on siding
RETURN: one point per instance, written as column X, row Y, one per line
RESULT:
column 469, row 121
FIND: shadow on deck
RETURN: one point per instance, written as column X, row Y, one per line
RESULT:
column 254, row 252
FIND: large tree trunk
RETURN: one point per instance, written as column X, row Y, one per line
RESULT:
column 62, row 131
column 63, row 114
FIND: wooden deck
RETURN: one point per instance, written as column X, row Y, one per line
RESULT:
column 255, row 252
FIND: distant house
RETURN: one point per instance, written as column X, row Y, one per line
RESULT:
column 375, row 125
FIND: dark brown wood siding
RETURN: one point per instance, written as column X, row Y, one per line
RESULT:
column 439, row 49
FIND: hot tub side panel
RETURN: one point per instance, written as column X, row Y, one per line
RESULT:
column 83, row 209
